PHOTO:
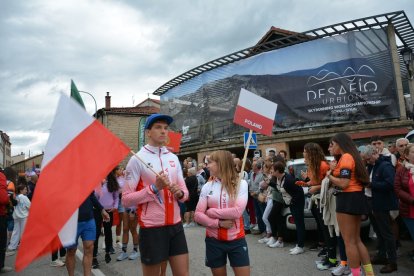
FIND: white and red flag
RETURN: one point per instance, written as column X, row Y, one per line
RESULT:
column 80, row 153
column 255, row 113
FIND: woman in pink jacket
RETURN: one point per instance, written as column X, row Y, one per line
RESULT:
column 220, row 208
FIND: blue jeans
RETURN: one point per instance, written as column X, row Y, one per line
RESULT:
column 246, row 220
column 298, row 215
column 259, row 209
column 410, row 225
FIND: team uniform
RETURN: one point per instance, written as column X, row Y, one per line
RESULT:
column 158, row 215
column 351, row 200
column 215, row 204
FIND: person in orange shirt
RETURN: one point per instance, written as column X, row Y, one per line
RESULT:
column 350, row 175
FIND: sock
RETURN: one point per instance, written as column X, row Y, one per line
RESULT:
column 332, row 261
column 368, row 270
column 344, row 263
column 118, row 239
column 124, row 247
column 136, row 247
column 356, row 271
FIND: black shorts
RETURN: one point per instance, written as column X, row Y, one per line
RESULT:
column 157, row 244
column 352, row 203
column 218, row 251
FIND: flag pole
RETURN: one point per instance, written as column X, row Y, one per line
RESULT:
column 145, row 164
column 245, row 155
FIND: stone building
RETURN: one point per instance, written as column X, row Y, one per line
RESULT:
column 28, row 164
column 5, row 150
column 125, row 122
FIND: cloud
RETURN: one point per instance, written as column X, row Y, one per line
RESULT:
column 130, row 48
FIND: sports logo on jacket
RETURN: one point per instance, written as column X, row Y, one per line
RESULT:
column 172, row 164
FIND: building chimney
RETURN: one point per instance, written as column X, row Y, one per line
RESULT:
column 107, row 101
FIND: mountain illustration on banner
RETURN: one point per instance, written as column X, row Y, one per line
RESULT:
column 349, row 74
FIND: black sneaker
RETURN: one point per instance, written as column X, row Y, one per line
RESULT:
column 95, row 263
column 107, row 258
column 314, row 247
column 323, row 252
column 112, row 251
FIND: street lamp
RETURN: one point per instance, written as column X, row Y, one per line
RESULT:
column 407, row 55
column 96, row 107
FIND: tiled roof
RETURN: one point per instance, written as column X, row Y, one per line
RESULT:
column 144, row 110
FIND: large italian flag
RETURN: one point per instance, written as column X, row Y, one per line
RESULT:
column 80, row 153
column 255, row 113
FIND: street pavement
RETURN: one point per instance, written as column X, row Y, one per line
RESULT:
column 264, row 260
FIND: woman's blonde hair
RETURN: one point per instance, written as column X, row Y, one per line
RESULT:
column 226, row 171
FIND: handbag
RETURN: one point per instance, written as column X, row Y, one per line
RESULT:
column 261, row 197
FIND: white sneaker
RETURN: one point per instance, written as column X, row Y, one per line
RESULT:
column 57, row 263
column 192, row 224
column 122, row 256
column 119, row 244
column 186, row 225
column 134, row 255
column 277, row 244
column 264, row 240
column 271, row 241
column 294, row 248
column 256, row 228
column 10, row 252
column 341, row 270
column 296, row 251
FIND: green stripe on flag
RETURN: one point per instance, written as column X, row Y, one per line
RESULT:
column 74, row 93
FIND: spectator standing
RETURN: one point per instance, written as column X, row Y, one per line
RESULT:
column 4, row 201
column 350, row 176
column 108, row 196
column 20, row 214
column 404, row 188
column 384, row 200
column 192, row 186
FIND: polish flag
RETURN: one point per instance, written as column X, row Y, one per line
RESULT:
column 255, row 113
column 80, row 153
column 174, row 141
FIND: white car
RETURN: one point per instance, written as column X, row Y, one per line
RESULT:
column 299, row 165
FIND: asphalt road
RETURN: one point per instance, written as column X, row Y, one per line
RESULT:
column 264, row 260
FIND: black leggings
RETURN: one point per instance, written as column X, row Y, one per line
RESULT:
column 330, row 242
column 107, row 231
column 276, row 221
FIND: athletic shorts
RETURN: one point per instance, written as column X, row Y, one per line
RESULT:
column 352, row 203
column 157, row 244
column 217, row 253
column 86, row 230
column 121, row 208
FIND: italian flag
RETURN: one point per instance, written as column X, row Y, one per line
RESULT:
column 79, row 154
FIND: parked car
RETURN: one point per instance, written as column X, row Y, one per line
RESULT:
column 299, row 165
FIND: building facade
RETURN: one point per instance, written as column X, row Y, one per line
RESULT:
column 346, row 77
column 5, row 150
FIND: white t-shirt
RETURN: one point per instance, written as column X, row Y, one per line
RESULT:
column 22, row 208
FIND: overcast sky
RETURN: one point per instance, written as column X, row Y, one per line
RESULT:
column 130, row 48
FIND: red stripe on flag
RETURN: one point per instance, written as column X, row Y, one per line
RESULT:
column 65, row 182
column 252, row 120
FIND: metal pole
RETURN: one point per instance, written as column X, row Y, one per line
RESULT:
column 96, row 107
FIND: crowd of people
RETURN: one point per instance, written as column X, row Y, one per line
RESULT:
column 163, row 196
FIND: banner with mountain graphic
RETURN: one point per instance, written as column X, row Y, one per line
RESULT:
column 337, row 80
